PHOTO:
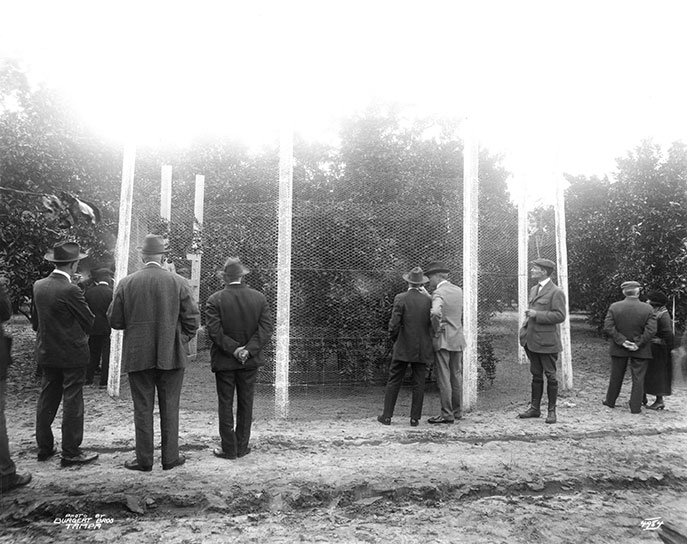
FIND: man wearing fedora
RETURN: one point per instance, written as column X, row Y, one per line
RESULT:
column 410, row 329
column 630, row 324
column 448, row 340
column 239, row 324
column 155, row 309
column 99, row 296
column 62, row 321
column 540, row 335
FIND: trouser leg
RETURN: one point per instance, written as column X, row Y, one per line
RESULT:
column 419, row 375
column 245, row 392
column 537, row 371
column 142, row 385
column 169, row 383
column 95, row 342
column 442, row 366
column 638, row 370
column 48, row 402
column 7, row 467
column 397, row 370
column 72, row 410
column 618, row 367
column 105, row 360
column 226, row 384
column 456, row 372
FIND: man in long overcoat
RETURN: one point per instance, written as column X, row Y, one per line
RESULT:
column 631, row 324
column 239, row 323
column 540, row 335
column 410, row 329
column 62, row 321
column 156, row 310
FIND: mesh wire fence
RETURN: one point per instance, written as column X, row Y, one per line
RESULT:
column 347, row 263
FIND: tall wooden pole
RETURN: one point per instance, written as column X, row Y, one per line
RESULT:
column 197, row 254
column 166, row 192
column 122, row 260
column 562, row 266
column 470, row 264
column 522, row 265
column 283, row 328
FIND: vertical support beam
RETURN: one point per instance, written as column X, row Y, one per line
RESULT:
column 122, row 260
column 522, row 265
column 197, row 254
column 470, row 264
column 283, row 329
column 562, row 267
column 166, row 192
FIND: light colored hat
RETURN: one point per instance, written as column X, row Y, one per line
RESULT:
column 154, row 244
column 630, row 285
column 415, row 276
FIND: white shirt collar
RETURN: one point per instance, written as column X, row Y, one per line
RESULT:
column 153, row 262
column 102, row 283
column 234, row 283
column 63, row 273
column 442, row 282
column 542, row 283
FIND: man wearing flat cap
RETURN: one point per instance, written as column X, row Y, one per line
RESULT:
column 62, row 321
column 630, row 324
column 540, row 335
column 410, row 329
column 156, row 310
column 448, row 341
column 239, row 323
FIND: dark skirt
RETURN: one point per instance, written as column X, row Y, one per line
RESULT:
column 659, row 374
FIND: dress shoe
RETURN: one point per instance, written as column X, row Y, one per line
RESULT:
column 14, row 480
column 530, row 412
column 605, row 403
column 219, row 452
column 243, row 453
column 551, row 417
column 384, row 420
column 414, row 422
column 82, row 459
column 169, row 466
column 45, row 455
column 133, row 465
column 439, row 419
column 657, row 406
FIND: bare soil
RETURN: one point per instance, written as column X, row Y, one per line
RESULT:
column 331, row 473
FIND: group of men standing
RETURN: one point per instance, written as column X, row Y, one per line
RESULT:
column 157, row 312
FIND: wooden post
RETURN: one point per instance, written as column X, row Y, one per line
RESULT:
column 122, row 260
column 562, row 266
column 166, row 192
column 470, row 264
column 523, row 263
column 196, row 256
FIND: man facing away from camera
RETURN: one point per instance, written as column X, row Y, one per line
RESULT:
column 156, row 310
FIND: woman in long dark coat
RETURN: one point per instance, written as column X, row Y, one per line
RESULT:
column 659, row 374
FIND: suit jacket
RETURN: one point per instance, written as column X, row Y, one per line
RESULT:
column 633, row 320
column 99, row 297
column 410, row 327
column 5, row 314
column 237, row 316
column 156, row 310
column 447, row 317
column 62, row 320
column 542, row 334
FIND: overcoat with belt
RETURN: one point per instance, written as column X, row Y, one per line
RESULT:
column 541, row 334
column 410, row 327
column 156, row 310
column 62, row 320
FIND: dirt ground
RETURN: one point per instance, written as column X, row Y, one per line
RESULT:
column 331, row 473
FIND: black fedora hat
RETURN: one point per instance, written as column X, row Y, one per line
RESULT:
column 65, row 252
column 415, row 276
column 234, row 268
column 436, row 266
column 153, row 244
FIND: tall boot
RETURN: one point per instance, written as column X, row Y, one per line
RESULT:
column 552, row 393
column 537, row 392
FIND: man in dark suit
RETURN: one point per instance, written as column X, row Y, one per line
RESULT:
column 62, row 320
column 156, row 310
column 540, row 335
column 9, row 478
column 239, row 324
column 410, row 329
column 99, row 297
column 631, row 324
column 448, row 341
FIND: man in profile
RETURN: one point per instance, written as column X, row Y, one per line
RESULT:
column 155, row 309
column 630, row 324
column 239, row 324
column 62, row 321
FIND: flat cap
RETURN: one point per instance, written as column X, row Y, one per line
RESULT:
column 630, row 285
column 544, row 263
